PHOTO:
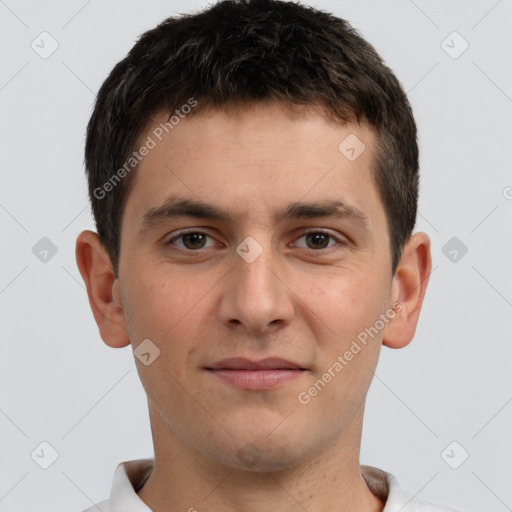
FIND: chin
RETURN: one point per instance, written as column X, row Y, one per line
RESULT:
column 262, row 458
column 261, row 452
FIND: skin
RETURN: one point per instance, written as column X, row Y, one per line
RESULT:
column 295, row 301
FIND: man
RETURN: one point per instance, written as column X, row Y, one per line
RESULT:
column 253, row 173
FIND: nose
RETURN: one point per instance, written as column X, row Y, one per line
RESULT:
column 256, row 298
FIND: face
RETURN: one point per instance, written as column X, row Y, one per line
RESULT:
column 254, row 254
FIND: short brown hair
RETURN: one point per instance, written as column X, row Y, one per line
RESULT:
column 239, row 52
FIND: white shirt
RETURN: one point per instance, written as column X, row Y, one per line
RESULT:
column 130, row 476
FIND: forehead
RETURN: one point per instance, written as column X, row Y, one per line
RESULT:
column 254, row 159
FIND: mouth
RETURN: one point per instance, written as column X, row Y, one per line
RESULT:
column 256, row 375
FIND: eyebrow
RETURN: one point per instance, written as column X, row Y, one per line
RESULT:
column 181, row 207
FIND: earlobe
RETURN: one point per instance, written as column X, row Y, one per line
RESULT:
column 409, row 287
column 102, row 289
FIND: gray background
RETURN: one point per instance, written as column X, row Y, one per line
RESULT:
column 60, row 384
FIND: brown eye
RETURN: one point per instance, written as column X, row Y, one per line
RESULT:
column 318, row 240
column 193, row 240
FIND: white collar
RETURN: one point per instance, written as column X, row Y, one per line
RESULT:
column 130, row 476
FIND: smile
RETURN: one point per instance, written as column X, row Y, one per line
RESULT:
column 256, row 375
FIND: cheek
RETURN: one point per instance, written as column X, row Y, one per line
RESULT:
column 348, row 354
column 168, row 309
column 342, row 305
column 162, row 301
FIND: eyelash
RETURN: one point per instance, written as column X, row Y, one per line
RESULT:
column 305, row 233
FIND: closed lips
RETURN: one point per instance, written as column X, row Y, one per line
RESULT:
column 271, row 363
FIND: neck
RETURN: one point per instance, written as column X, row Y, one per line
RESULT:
column 183, row 480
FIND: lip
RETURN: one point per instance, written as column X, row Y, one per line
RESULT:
column 256, row 375
column 241, row 363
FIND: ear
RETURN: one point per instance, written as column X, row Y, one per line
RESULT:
column 102, row 288
column 409, row 286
